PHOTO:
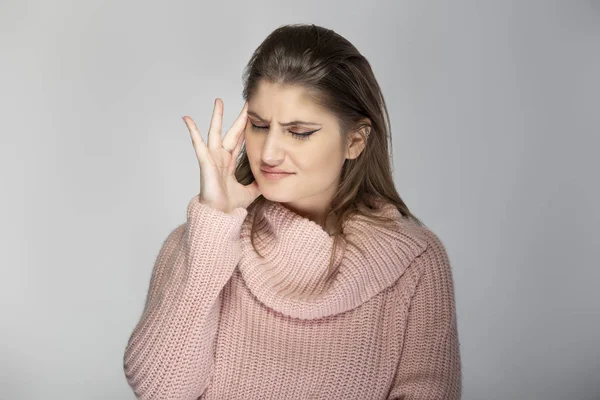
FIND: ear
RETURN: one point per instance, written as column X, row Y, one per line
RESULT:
column 356, row 141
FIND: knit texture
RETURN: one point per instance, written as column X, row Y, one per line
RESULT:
column 220, row 322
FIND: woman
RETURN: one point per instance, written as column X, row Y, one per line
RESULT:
column 300, row 273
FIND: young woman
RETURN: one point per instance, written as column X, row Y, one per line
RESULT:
column 299, row 273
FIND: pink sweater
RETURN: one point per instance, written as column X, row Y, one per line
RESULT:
column 219, row 322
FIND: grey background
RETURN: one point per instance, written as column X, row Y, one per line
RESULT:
column 494, row 108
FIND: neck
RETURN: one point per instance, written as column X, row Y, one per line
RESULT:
column 314, row 208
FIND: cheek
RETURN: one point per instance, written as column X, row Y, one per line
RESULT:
column 251, row 145
column 323, row 160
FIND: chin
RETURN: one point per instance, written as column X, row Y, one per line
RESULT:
column 275, row 194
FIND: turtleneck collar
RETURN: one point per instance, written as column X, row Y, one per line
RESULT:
column 294, row 278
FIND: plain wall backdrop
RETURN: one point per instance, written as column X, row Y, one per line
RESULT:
column 495, row 118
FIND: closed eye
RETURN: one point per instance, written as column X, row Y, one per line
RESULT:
column 302, row 136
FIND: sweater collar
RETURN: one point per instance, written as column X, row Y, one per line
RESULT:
column 294, row 278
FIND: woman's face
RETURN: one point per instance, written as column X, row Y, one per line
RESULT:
column 314, row 161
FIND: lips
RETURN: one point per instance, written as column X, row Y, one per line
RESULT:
column 275, row 171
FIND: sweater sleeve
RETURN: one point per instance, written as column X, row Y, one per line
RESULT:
column 169, row 354
column 430, row 363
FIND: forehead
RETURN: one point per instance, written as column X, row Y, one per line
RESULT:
column 285, row 103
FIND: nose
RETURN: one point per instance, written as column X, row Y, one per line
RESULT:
column 272, row 151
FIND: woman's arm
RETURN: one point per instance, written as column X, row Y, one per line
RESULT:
column 430, row 364
column 169, row 355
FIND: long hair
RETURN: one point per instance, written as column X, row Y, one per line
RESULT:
column 341, row 80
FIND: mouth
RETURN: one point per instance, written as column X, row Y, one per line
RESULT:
column 276, row 172
column 275, row 175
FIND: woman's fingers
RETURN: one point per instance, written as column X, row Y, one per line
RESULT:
column 199, row 145
column 236, row 152
column 233, row 139
column 216, row 121
column 232, row 136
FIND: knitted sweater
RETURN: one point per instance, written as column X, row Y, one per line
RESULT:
column 219, row 322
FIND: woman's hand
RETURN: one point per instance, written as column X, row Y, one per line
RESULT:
column 218, row 186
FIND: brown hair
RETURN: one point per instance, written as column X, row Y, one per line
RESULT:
column 341, row 80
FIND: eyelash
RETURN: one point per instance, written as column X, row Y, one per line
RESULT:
column 301, row 136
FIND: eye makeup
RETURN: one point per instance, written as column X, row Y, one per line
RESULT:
column 297, row 135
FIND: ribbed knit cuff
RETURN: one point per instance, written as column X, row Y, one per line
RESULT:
column 224, row 225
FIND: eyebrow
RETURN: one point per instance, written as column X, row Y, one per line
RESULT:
column 296, row 122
